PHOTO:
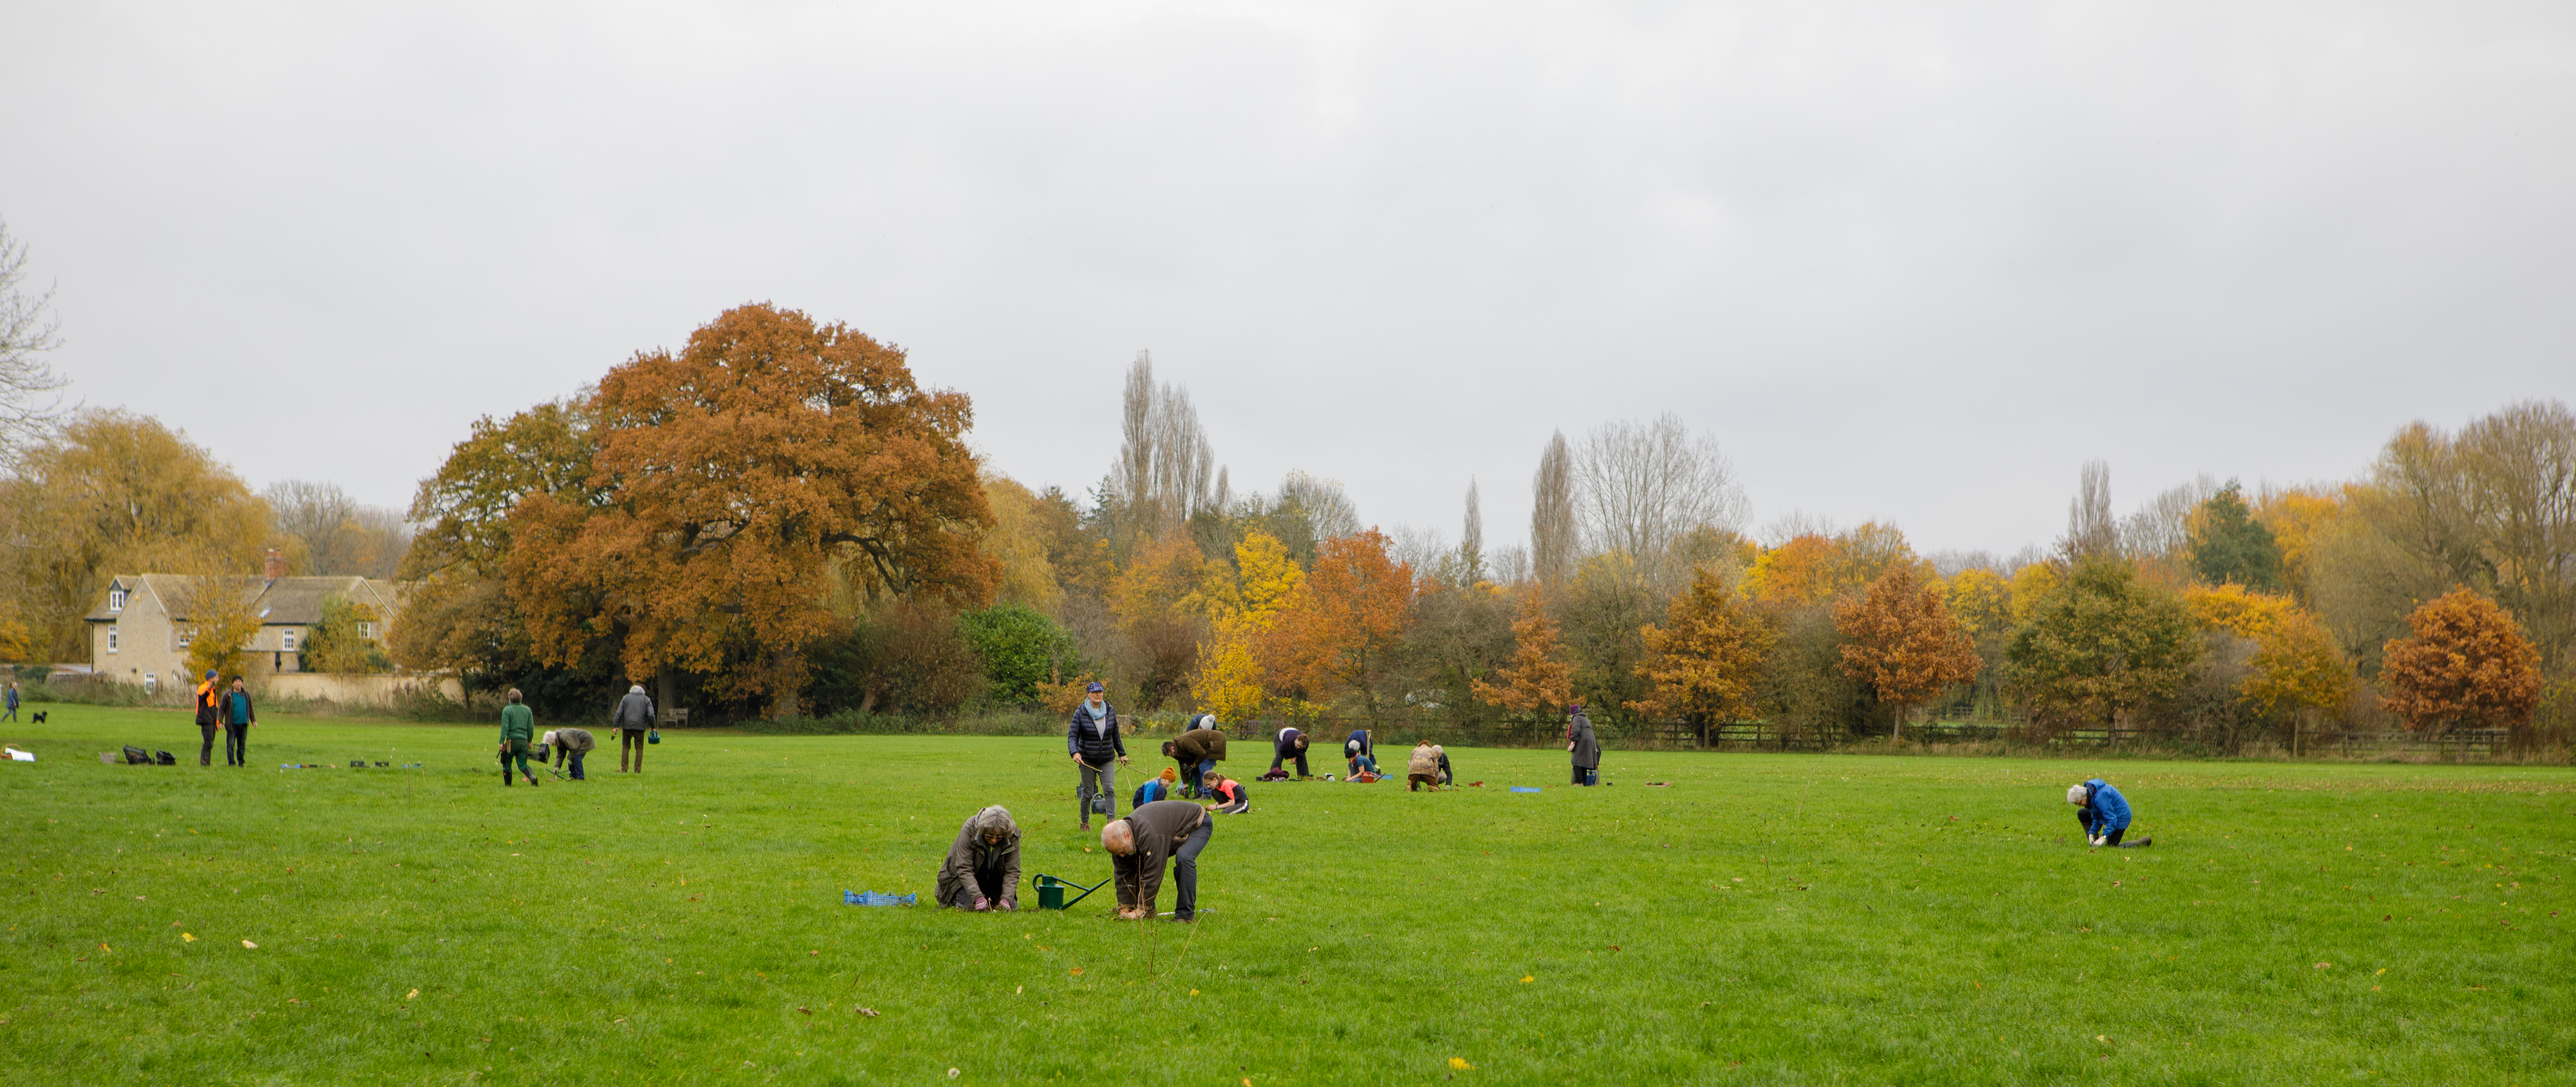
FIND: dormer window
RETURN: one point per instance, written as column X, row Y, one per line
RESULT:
column 116, row 600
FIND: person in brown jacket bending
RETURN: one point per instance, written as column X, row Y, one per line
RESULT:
column 1174, row 830
column 1198, row 751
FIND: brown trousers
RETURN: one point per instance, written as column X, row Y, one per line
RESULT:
column 630, row 739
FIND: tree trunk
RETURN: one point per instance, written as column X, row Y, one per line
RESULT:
column 666, row 689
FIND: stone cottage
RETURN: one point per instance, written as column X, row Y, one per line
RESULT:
column 140, row 632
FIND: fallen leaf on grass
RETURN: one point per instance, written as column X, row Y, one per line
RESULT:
column 1460, row 1063
column 869, row 1012
column 1528, row 978
column 2325, row 966
column 104, row 947
column 1194, row 992
column 1077, row 971
column 808, row 1011
column 952, row 1073
column 250, row 945
column 188, row 937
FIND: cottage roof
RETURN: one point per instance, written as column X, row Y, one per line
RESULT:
column 285, row 601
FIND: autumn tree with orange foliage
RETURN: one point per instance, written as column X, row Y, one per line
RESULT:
column 1538, row 681
column 738, row 482
column 1706, row 659
column 1900, row 638
column 2467, row 665
column 1343, row 629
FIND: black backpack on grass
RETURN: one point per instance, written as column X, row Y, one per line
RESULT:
column 164, row 758
column 135, row 756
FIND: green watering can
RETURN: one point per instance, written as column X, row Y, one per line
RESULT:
column 1051, row 892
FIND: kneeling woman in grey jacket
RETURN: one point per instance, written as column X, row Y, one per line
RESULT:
column 982, row 871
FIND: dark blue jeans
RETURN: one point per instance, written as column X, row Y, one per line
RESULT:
column 236, row 745
column 1185, row 870
column 563, row 756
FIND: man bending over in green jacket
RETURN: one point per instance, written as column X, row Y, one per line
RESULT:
column 518, row 728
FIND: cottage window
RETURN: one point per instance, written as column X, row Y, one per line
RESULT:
column 286, row 641
column 151, row 682
column 111, row 639
column 187, row 635
column 367, row 630
column 116, row 600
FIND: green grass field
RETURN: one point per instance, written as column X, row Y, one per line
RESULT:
column 1762, row 919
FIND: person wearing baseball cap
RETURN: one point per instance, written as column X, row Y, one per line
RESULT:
column 1091, row 739
column 2104, row 813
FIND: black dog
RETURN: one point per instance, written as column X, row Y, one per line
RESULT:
column 39, row 719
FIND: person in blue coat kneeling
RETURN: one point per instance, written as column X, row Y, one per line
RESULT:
column 2104, row 813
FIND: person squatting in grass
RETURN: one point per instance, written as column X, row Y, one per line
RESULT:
column 1586, row 749
column 239, row 716
column 1091, row 739
column 209, row 718
column 2104, row 813
column 570, row 744
column 1290, row 746
column 1164, row 786
column 982, row 871
column 518, row 728
column 1359, row 752
column 1423, row 767
column 634, row 720
column 1199, row 750
column 1173, row 830
column 1230, row 795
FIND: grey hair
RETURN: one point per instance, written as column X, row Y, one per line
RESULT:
column 636, row 689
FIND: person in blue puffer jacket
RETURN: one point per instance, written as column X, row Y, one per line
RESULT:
column 2104, row 813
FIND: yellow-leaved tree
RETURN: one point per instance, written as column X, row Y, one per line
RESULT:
column 1981, row 600
column 1242, row 602
column 2032, row 586
column 2296, row 669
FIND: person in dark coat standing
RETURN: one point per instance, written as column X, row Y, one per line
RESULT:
column 210, row 718
column 982, row 871
column 1091, row 738
column 239, row 716
column 1173, row 830
column 634, row 720
column 1586, row 749
column 1291, row 746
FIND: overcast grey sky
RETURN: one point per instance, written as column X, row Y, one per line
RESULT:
column 1908, row 261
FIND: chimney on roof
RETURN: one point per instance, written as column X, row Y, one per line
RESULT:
column 276, row 565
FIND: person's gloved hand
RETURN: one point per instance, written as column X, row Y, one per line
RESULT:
column 982, row 905
column 1009, row 906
